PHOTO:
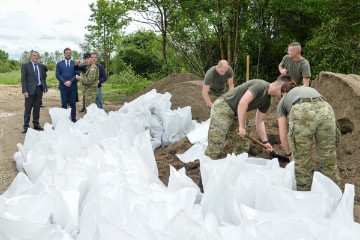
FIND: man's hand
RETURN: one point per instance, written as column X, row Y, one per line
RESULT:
column 241, row 132
column 283, row 71
column 26, row 94
column 268, row 148
column 78, row 77
column 67, row 83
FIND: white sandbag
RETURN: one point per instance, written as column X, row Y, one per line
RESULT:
column 19, row 159
column 19, row 185
column 196, row 151
column 65, row 211
column 200, row 133
column 179, row 180
column 59, row 114
column 270, row 198
column 156, row 131
column 15, row 228
column 176, row 125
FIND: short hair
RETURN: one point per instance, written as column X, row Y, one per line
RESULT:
column 94, row 53
column 286, row 87
column 283, row 79
column 66, row 49
column 32, row 52
column 295, row 45
column 86, row 55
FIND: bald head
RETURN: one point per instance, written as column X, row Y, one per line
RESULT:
column 222, row 67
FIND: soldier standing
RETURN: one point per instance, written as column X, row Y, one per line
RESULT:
column 89, row 81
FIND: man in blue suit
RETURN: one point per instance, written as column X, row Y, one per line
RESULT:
column 66, row 75
column 33, row 85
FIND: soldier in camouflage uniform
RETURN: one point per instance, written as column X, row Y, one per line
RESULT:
column 214, row 82
column 310, row 117
column 230, row 109
column 89, row 81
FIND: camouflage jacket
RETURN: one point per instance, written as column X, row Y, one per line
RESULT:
column 91, row 77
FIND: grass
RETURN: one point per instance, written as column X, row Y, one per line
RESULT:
column 116, row 89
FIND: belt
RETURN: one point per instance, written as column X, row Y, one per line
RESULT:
column 315, row 99
column 218, row 91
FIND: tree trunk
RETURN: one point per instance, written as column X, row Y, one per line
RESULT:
column 220, row 28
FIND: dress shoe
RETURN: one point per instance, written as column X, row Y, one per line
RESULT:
column 82, row 110
column 40, row 128
column 42, row 106
column 24, row 130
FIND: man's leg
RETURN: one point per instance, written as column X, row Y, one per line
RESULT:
column 73, row 97
column 36, row 105
column 99, row 98
column 220, row 122
column 27, row 112
column 302, row 127
column 64, row 95
column 326, row 142
column 238, row 144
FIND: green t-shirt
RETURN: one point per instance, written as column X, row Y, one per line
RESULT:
column 292, row 96
column 296, row 69
column 215, row 80
column 259, row 89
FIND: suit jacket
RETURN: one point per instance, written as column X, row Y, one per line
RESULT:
column 29, row 80
column 64, row 74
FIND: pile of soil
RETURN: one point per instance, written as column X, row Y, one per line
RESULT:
column 341, row 91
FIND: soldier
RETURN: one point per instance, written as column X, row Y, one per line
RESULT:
column 296, row 65
column 231, row 108
column 214, row 82
column 310, row 117
column 89, row 81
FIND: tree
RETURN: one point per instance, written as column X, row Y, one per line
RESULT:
column 109, row 17
column 4, row 56
column 141, row 51
column 158, row 14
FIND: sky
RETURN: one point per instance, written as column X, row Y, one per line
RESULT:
column 43, row 25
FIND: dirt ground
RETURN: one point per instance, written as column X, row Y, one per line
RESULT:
column 186, row 91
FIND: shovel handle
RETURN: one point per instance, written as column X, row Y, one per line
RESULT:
column 256, row 141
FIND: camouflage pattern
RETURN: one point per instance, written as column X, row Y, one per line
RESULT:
column 215, row 94
column 89, row 83
column 223, row 124
column 309, row 121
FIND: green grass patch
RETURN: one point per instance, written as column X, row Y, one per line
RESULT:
column 117, row 88
column 14, row 78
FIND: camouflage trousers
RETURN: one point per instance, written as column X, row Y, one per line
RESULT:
column 89, row 96
column 223, row 125
column 307, row 122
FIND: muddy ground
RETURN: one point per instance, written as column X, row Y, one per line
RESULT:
column 340, row 91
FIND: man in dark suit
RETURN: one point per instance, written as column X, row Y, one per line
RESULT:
column 66, row 75
column 33, row 85
column 45, row 69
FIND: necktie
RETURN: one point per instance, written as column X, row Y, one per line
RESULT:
column 36, row 73
column 67, row 64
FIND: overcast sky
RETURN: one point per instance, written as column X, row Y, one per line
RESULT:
column 42, row 25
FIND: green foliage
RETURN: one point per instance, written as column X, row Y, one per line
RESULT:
column 109, row 17
column 120, row 86
column 4, row 66
column 141, row 51
column 4, row 56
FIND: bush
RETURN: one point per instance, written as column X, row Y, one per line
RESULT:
column 4, row 66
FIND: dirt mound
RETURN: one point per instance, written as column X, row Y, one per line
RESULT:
column 342, row 92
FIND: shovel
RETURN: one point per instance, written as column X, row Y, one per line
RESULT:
column 272, row 153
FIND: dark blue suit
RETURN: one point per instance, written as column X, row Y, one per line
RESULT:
column 30, row 84
column 68, row 94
